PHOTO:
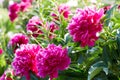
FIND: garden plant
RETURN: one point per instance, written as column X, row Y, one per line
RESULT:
column 60, row 40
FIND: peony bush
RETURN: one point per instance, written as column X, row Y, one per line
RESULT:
column 60, row 40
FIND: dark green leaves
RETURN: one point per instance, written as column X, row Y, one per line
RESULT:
column 96, row 69
column 109, row 15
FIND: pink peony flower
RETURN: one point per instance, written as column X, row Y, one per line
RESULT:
column 33, row 24
column 52, row 59
column 27, row 1
column 54, row 16
column 17, row 40
column 24, row 6
column 64, row 10
column 52, row 27
column 9, row 78
column 24, row 60
column 5, row 76
column 13, row 16
column 84, row 26
column 119, row 6
column 14, row 7
column 1, row 51
column 13, row 11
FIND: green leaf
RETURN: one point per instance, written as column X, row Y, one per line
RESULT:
column 23, row 78
column 71, row 75
column 67, row 37
column 101, row 76
column 80, row 59
column 96, row 69
column 108, row 15
column 118, row 39
column 105, row 55
column 33, row 77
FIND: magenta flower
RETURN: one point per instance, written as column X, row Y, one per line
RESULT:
column 52, row 59
column 14, row 7
column 24, row 60
column 13, row 11
column 24, row 6
column 1, row 51
column 33, row 24
column 13, row 16
column 17, row 40
column 27, row 1
column 5, row 76
column 119, row 7
column 84, row 26
column 55, row 16
column 52, row 27
column 64, row 10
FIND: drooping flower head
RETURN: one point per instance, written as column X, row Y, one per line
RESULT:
column 52, row 59
column 13, row 11
column 84, row 26
column 64, row 10
column 17, row 40
column 33, row 24
column 24, row 60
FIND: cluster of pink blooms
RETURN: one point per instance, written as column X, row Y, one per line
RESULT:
column 41, row 61
column 84, row 26
column 15, row 8
column 13, row 11
column 33, row 25
column 52, row 59
column 64, row 10
column 17, row 40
